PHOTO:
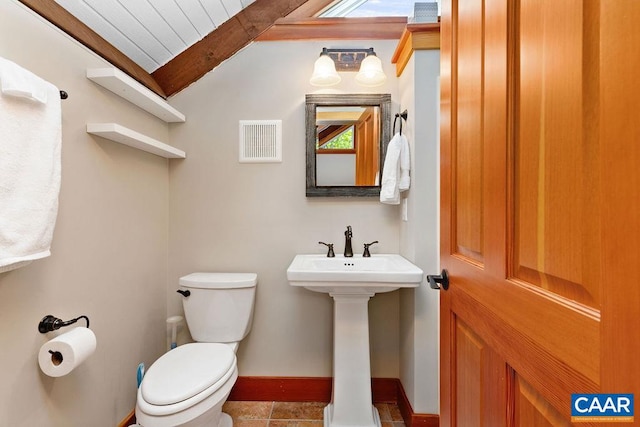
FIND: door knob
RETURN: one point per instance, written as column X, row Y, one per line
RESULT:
column 440, row 281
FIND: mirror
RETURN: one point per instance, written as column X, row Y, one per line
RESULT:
column 346, row 139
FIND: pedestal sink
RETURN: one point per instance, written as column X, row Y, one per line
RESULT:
column 351, row 282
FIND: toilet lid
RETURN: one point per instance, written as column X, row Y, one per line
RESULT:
column 186, row 371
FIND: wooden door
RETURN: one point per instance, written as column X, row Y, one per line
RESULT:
column 367, row 143
column 540, row 208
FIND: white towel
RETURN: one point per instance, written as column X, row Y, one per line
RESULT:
column 405, row 164
column 30, row 144
column 16, row 81
column 395, row 173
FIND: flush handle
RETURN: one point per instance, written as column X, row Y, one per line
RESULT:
column 184, row 293
column 440, row 281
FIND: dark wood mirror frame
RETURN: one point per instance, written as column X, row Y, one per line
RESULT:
column 383, row 101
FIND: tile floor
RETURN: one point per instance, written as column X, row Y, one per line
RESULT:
column 295, row 414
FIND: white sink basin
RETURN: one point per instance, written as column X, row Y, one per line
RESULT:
column 379, row 273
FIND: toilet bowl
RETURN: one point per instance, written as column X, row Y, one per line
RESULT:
column 187, row 386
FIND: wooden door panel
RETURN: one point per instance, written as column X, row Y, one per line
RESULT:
column 619, row 129
column 469, row 381
column 531, row 408
column 556, row 367
column 552, row 171
column 468, row 217
column 481, row 380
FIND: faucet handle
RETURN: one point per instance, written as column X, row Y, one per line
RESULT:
column 330, row 253
column 366, row 253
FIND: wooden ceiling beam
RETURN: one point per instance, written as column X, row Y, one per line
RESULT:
column 225, row 41
column 336, row 29
column 58, row 16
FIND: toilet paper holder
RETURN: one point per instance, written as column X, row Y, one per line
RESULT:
column 51, row 323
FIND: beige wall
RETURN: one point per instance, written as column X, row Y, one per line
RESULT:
column 419, row 239
column 255, row 217
column 109, row 249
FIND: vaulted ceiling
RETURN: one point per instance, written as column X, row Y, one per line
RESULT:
column 152, row 33
column 168, row 44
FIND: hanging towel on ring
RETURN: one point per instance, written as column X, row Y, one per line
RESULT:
column 30, row 144
column 395, row 174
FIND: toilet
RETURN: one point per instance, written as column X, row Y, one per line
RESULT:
column 188, row 385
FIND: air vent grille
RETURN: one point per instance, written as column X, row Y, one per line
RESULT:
column 260, row 141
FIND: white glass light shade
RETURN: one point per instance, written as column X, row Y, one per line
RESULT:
column 371, row 73
column 324, row 72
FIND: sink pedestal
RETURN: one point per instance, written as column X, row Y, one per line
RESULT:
column 351, row 281
column 351, row 402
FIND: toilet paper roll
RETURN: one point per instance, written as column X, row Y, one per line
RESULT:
column 66, row 352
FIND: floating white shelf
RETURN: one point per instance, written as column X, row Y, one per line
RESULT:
column 124, row 86
column 126, row 136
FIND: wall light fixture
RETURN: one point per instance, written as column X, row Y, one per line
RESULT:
column 324, row 71
column 371, row 73
column 364, row 61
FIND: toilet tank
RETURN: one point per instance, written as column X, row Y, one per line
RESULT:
column 219, row 307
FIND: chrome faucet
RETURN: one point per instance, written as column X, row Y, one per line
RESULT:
column 348, row 252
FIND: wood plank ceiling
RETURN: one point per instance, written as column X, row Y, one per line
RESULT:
column 168, row 44
column 151, row 33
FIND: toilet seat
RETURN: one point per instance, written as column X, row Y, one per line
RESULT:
column 186, row 376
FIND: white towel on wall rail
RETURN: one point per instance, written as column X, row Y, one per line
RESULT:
column 395, row 173
column 30, row 146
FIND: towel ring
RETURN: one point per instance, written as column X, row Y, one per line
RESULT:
column 402, row 116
